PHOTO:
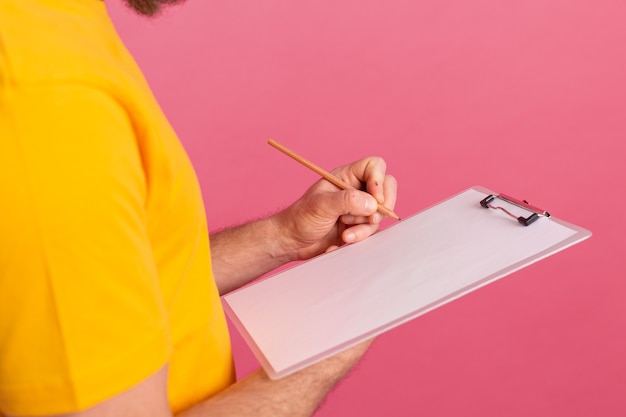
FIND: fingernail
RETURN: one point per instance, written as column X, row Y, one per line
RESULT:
column 370, row 204
column 349, row 236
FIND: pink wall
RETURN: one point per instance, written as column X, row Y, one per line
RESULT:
column 527, row 98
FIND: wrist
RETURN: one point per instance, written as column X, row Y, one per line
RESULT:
column 281, row 245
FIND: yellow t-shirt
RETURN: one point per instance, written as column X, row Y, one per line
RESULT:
column 105, row 272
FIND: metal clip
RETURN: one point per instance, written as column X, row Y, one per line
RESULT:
column 536, row 211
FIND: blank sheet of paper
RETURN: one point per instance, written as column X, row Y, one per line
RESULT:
column 334, row 301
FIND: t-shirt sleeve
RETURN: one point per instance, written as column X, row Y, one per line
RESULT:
column 81, row 313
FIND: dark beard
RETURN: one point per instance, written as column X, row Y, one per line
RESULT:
column 150, row 7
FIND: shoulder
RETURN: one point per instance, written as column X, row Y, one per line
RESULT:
column 61, row 41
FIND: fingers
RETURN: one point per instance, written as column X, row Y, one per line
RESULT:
column 331, row 248
column 390, row 192
column 359, row 232
column 383, row 187
column 370, row 171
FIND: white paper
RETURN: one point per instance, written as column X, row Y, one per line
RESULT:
column 339, row 299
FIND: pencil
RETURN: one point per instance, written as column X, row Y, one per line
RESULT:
column 325, row 174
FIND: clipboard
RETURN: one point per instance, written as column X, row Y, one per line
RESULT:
column 334, row 301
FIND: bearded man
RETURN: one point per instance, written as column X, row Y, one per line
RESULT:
column 109, row 294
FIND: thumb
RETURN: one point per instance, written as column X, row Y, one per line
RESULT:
column 353, row 202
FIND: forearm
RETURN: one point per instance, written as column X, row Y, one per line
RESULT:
column 243, row 253
column 297, row 395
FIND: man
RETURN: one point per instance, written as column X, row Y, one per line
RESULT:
column 109, row 299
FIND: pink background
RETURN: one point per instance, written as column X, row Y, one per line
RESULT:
column 527, row 98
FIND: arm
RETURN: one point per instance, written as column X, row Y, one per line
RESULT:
column 297, row 395
column 323, row 219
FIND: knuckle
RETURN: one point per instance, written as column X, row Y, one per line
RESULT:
column 352, row 197
column 378, row 162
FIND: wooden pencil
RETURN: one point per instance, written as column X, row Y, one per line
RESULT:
column 325, row 174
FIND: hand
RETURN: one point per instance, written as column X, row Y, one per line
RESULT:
column 325, row 217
